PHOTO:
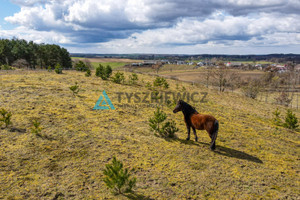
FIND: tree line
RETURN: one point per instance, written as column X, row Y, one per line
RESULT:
column 20, row 53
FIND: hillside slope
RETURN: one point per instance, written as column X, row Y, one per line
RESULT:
column 254, row 159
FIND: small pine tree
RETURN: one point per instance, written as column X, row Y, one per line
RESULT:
column 155, row 95
column 166, row 84
column 291, row 120
column 88, row 73
column 100, row 71
column 5, row 117
column 118, row 77
column 108, row 71
column 169, row 129
column 80, row 66
column 161, row 82
column 103, row 72
column 276, row 119
column 155, row 122
column 117, row 178
column 148, row 85
column 58, row 69
column 74, row 89
column 49, row 69
column 165, row 130
column 36, row 129
column 133, row 78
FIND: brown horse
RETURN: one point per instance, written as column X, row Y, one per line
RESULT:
column 198, row 121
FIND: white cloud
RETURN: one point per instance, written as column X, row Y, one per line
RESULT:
column 154, row 24
column 36, row 36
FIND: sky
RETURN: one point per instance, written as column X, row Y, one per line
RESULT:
column 156, row 26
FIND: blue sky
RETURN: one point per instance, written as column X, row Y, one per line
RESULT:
column 156, row 26
column 7, row 9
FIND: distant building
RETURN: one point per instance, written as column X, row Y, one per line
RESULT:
column 135, row 64
column 281, row 68
column 180, row 62
column 233, row 64
column 165, row 61
column 200, row 64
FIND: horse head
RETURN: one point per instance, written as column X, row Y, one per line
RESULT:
column 178, row 106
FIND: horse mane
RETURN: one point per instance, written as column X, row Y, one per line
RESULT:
column 187, row 109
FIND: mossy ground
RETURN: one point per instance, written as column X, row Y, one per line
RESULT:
column 254, row 159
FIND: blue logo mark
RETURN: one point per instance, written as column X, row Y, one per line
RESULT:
column 104, row 103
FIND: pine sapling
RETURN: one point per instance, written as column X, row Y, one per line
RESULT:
column 5, row 117
column 291, row 120
column 276, row 119
column 117, row 178
column 74, row 89
column 36, row 129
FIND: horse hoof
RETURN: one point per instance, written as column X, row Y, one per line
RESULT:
column 196, row 139
column 187, row 139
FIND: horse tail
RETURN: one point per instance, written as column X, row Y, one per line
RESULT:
column 214, row 135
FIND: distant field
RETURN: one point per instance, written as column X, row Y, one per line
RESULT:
column 113, row 62
column 114, row 65
column 198, row 75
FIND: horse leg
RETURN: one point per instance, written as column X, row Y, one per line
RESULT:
column 211, row 135
column 196, row 138
column 188, row 132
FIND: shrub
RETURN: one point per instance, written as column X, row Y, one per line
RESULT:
column 108, row 71
column 80, row 66
column 161, row 82
column 88, row 73
column 276, row 119
column 252, row 89
column 155, row 95
column 156, row 124
column 6, row 67
column 157, row 119
column 100, row 71
column 103, row 72
column 74, row 89
column 117, row 178
column 166, row 85
column 169, row 129
column 283, row 99
column 5, row 117
column 58, row 69
column 36, row 129
column 133, row 78
column 171, row 103
column 118, row 77
column 49, row 69
column 148, row 85
column 291, row 120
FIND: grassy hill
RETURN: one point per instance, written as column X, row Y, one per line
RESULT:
column 254, row 159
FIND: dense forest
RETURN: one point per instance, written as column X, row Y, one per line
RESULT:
column 20, row 53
